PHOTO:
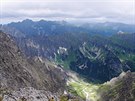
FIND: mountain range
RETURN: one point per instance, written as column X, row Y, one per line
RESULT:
column 47, row 51
column 98, row 57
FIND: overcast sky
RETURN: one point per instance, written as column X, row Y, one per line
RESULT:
column 68, row 10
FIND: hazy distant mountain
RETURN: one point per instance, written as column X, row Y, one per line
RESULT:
column 109, row 28
column 42, row 27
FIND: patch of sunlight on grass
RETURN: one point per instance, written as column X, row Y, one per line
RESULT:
column 83, row 89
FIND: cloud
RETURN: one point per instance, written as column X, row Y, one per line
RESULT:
column 77, row 10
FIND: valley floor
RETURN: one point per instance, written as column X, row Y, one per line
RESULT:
column 82, row 88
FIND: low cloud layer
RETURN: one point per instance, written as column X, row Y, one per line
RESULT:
column 73, row 11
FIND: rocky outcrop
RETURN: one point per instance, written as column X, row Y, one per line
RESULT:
column 18, row 72
column 121, row 88
column 31, row 94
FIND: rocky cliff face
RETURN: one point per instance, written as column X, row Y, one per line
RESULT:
column 34, row 79
column 16, row 72
column 121, row 88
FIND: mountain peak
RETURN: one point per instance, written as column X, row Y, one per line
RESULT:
column 27, row 21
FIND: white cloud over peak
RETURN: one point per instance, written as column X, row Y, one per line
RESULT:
column 74, row 11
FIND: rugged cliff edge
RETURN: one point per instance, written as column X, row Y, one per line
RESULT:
column 121, row 88
column 17, row 73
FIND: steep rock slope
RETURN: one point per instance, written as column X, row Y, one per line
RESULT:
column 16, row 72
column 121, row 88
